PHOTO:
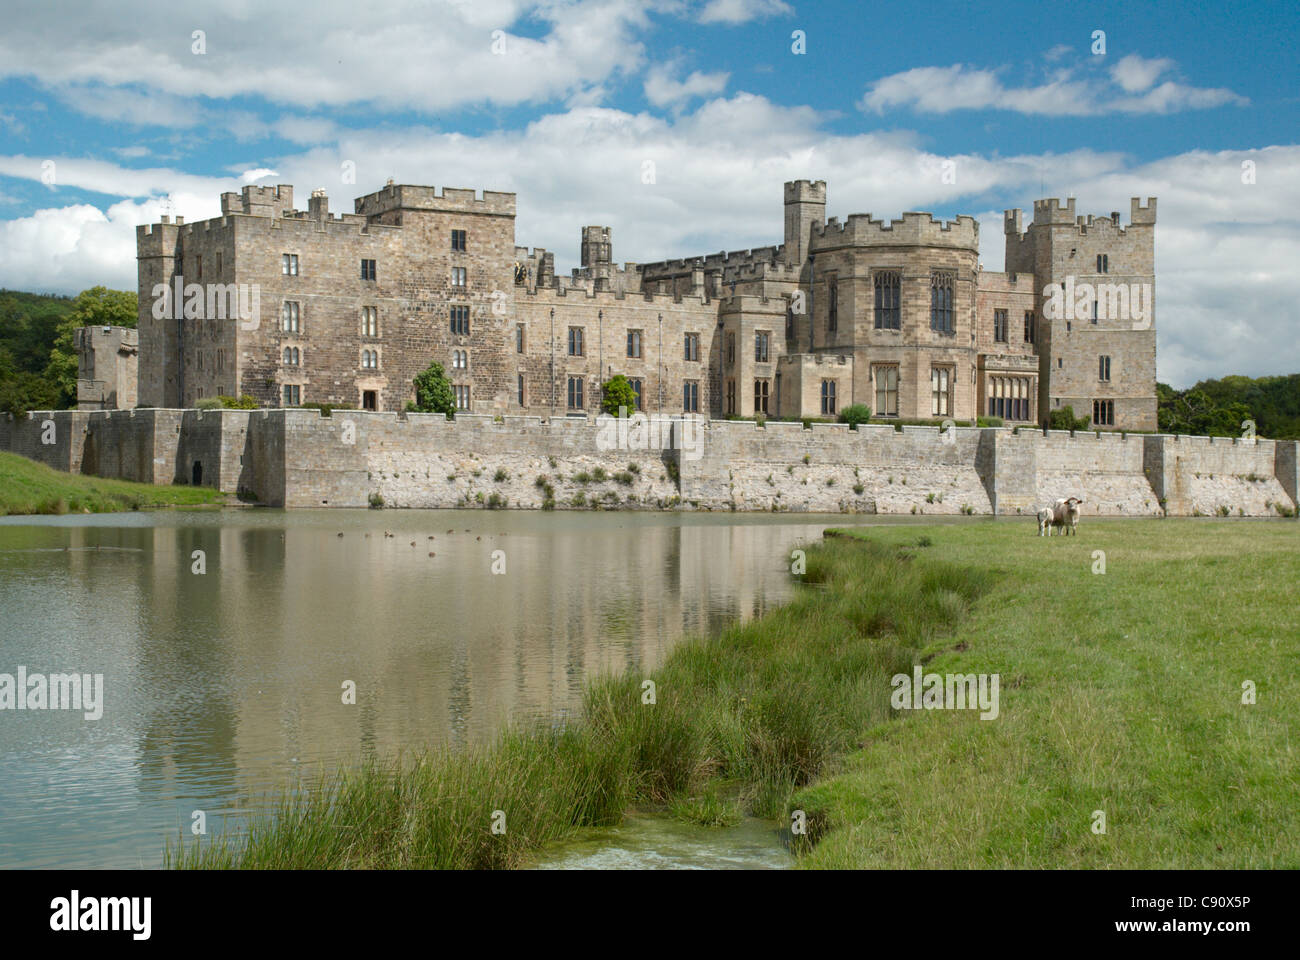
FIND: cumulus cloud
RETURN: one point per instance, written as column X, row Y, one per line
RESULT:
column 661, row 89
column 1127, row 88
column 1224, row 250
column 742, row 11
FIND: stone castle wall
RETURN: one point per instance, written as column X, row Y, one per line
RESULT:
column 297, row 458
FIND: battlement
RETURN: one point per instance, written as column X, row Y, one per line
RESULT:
column 435, row 200
column 724, row 260
column 156, row 239
column 914, row 229
column 1140, row 213
column 805, row 191
column 563, row 289
column 1053, row 212
column 255, row 201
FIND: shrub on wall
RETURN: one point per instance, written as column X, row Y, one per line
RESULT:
column 1064, row 419
column 618, row 393
column 855, row 414
column 244, row 402
column 208, row 403
column 433, row 393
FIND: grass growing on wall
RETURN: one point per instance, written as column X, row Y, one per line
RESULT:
column 28, row 487
column 1120, row 691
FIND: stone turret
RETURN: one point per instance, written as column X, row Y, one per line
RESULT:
column 805, row 205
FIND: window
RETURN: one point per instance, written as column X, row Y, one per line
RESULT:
column 1103, row 368
column 462, row 396
column 691, row 396
column 370, row 359
column 1103, row 263
column 458, row 241
column 940, row 397
column 289, row 264
column 1009, row 397
column 941, row 314
column 886, row 378
column 789, row 323
column 291, row 356
column 760, row 396
column 218, row 264
column 198, row 267
column 1095, row 301
column 1000, row 326
column 634, row 344
column 460, row 320
column 370, row 321
column 575, row 342
column 1103, row 413
column 367, row 269
column 221, row 360
column 731, row 396
column 833, row 307
column 1029, row 326
column 731, row 348
column 292, row 394
column 369, row 400
column 519, row 338
column 693, row 346
column 521, row 389
column 828, row 397
column 887, row 312
column 636, row 389
column 198, row 360
column 289, row 316
column 458, row 277
column 459, row 360
column 575, row 393
column 760, row 347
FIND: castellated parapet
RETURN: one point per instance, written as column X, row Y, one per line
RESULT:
column 914, row 229
column 437, row 200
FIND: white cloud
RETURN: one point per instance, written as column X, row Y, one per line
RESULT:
column 1224, row 251
column 661, row 89
column 742, row 11
column 1064, row 93
column 395, row 53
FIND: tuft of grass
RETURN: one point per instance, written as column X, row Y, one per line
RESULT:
column 500, row 476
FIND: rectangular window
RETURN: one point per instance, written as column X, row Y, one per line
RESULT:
column 940, row 386
column 519, row 338
column 1000, row 326
column 636, row 389
column 1103, row 263
column 760, row 347
column 833, row 308
column 292, row 395
column 218, row 264
column 1103, row 368
column 369, row 400
column 575, row 341
column 462, row 396
column 888, row 315
column 761, row 389
column 1029, row 326
column 575, row 393
column 369, row 359
column 941, row 310
column 693, row 346
column 828, row 398
column 1103, row 413
column 370, row 321
column 289, row 264
column 289, row 315
column 634, row 344
column 731, row 396
column 789, row 324
column 520, row 385
column 458, row 277
column 691, row 396
column 458, row 241
column 731, row 348
column 886, row 378
column 459, row 320
column 367, row 269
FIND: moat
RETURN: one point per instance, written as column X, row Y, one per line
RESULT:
column 223, row 685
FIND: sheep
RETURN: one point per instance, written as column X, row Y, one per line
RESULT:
column 1065, row 514
column 1045, row 522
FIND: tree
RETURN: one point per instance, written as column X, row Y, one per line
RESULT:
column 433, row 393
column 618, row 393
column 855, row 414
column 95, row 307
column 1064, row 419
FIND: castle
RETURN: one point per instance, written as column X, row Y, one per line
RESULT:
column 897, row 315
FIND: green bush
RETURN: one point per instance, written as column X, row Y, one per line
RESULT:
column 433, row 393
column 855, row 414
column 208, row 403
column 618, row 392
column 1064, row 419
column 242, row 402
column 376, row 501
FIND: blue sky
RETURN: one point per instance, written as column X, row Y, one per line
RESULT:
column 110, row 116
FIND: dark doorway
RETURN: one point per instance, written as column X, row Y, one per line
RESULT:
column 196, row 475
column 369, row 400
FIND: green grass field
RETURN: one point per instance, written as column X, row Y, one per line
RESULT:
column 28, row 487
column 1120, row 691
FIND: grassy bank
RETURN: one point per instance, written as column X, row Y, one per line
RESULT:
column 1120, row 691
column 28, row 487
